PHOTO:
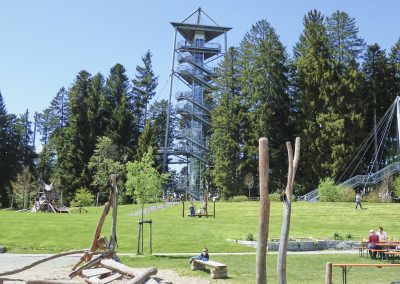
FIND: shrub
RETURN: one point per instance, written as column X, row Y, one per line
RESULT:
column 275, row 197
column 250, row 237
column 328, row 191
column 239, row 198
column 396, row 186
column 373, row 196
column 83, row 197
column 345, row 194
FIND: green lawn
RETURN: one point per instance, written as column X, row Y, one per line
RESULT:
column 45, row 232
column 307, row 269
column 25, row 232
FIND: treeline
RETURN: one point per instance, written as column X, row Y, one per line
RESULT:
column 89, row 131
column 325, row 92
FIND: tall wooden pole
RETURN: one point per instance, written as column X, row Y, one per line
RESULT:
column 287, row 209
column 114, row 204
column 262, row 240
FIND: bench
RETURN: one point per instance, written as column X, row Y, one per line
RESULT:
column 218, row 270
column 391, row 255
column 347, row 266
column 379, row 252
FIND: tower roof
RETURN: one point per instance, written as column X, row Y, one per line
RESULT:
column 187, row 29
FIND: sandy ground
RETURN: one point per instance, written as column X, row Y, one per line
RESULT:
column 60, row 268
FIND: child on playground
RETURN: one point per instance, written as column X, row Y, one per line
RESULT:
column 203, row 256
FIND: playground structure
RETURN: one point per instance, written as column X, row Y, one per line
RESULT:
column 46, row 200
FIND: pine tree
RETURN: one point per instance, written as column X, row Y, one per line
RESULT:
column 265, row 87
column 144, row 86
column 120, row 127
column 227, row 127
column 313, row 80
column 343, row 38
column 5, row 173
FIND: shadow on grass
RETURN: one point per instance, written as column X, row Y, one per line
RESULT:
column 171, row 257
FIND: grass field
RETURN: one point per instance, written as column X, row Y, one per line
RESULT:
column 23, row 232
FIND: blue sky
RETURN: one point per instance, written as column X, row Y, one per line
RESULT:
column 45, row 43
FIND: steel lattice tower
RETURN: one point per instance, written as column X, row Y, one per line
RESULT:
column 196, row 48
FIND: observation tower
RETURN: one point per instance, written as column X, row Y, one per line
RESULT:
column 197, row 48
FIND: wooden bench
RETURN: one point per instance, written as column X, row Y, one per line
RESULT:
column 347, row 266
column 378, row 251
column 218, row 270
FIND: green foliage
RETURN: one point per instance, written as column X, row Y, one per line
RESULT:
column 239, row 198
column 328, row 191
column 83, row 197
column 345, row 194
column 396, row 186
column 104, row 162
column 275, row 197
column 373, row 196
column 23, row 185
column 250, row 237
column 143, row 180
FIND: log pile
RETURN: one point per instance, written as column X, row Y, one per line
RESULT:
column 105, row 268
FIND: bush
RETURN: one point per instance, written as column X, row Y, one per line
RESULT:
column 250, row 237
column 275, row 197
column 83, row 197
column 239, row 198
column 328, row 191
column 345, row 194
column 373, row 196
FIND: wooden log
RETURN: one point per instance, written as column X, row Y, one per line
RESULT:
column 117, row 266
column 96, row 280
column 96, row 236
column 95, row 272
column 144, row 276
column 114, row 204
column 328, row 273
column 263, row 222
column 40, row 261
column 197, row 266
column 287, row 209
column 50, row 282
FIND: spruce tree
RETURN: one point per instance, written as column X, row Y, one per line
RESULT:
column 226, row 139
column 265, row 87
column 144, row 89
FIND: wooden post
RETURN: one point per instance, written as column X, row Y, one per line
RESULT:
column 183, row 208
column 138, row 241
column 262, row 240
column 328, row 273
column 113, row 238
column 287, row 209
column 214, row 209
column 151, row 237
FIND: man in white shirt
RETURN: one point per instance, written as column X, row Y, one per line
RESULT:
column 382, row 235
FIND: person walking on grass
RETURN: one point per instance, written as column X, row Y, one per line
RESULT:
column 358, row 200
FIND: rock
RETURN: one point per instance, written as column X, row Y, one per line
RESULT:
column 3, row 249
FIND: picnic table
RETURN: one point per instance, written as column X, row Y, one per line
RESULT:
column 347, row 266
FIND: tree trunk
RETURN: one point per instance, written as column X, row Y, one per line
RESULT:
column 287, row 209
column 262, row 240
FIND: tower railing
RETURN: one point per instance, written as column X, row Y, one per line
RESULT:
column 189, row 97
column 215, row 47
column 189, row 110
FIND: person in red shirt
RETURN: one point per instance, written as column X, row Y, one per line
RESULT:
column 372, row 240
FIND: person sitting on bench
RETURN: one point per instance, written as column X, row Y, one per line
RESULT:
column 192, row 210
column 203, row 256
column 372, row 240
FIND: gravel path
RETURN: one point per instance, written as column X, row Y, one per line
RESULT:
column 60, row 268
